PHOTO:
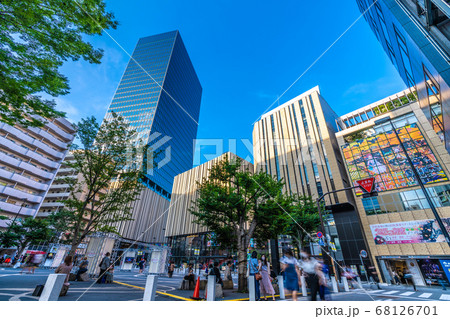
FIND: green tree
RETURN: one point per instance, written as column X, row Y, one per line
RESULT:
column 108, row 180
column 37, row 37
column 21, row 234
column 304, row 212
column 238, row 205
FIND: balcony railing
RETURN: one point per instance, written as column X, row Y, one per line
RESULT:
column 4, row 158
column 9, row 191
column 14, row 209
column 12, row 176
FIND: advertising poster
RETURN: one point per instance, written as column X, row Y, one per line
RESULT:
column 446, row 266
column 411, row 232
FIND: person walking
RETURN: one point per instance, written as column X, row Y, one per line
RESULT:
column 253, row 269
column 83, row 267
column 216, row 272
column 323, row 289
column 104, row 265
column 141, row 265
column 65, row 268
column 409, row 277
column 227, row 274
column 266, row 284
column 190, row 274
column 171, row 269
column 312, row 273
column 289, row 266
column 396, row 277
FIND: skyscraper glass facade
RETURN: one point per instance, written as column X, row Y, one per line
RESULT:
column 159, row 95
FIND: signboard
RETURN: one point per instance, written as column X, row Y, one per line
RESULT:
column 410, row 232
column 321, row 243
column 363, row 253
column 445, row 263
column 367, row 184
column 319, row 234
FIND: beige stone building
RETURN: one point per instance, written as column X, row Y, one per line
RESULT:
column 401, row 230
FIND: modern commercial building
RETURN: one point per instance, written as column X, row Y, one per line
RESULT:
column 159, row 95
column 191, row 242
column 401, row 230
column 415, row 35
column 29, row 161
column 296, row 142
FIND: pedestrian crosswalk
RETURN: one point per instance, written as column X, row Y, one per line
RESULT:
column 391, row 292
column 425, row 295
column 408, row 293
column 445, row 297
column 387, row 295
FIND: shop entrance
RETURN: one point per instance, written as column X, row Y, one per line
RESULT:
column 396, row 268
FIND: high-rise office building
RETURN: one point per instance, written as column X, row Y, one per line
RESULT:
column 29, row 161
column 402, row 232
column 159, row 95
column 415, row 35
column 296, row 142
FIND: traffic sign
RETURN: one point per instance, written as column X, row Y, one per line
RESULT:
column 363, row 253
column 367, row 184
column 321, row 243
column 319, row 234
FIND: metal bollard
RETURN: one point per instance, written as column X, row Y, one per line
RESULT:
column 304, row 290
column 359, row 282
column 334, row 284
column 211, row 288
column 281, row 287
column 251, row 288
column 344, row 280
column 150, row 288
column 53, row 287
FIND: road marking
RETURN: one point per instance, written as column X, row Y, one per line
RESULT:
column 158, row 292
column 390, row 292
column 408, row 293
column 445, row 297
column 387, row 300
column 425, row 295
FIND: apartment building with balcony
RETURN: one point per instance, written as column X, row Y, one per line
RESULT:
column 30, row 158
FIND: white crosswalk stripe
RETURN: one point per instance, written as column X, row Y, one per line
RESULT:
column 387, row 299
column 445, row 297
column 425, row 295
column 391, row 292
column 408, row 293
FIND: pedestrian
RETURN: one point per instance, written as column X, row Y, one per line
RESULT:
column 323, row 289
column 26, row 264
column 265, row 284
column 396, row 278
column 104, row 265
column 289, row 266
column 312, row 273
column 227, row 274
column 65, row 268
column 141, row 265
column 190, row 274
column 253, row 267
column 374, row 276
column 83, row 267
column 407, row 275
column 216, row 272
column 171, row 269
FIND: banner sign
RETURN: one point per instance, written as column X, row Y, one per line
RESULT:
column 410, row 232
column 446, row 266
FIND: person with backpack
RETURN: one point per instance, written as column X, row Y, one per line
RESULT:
column 104, row 265
column 312, row 273
column 142, row 263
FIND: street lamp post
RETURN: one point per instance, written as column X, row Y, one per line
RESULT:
column 419, row 180
column 18, row 212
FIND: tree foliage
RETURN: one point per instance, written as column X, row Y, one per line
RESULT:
column 36, row 38
column 21, row 234
column 304, row 212
column 237, row 205
column 107, row 180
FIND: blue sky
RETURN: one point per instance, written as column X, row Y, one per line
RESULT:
column 246, row 53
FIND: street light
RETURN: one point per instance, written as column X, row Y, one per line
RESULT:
column 18, row 212
column 419, row 180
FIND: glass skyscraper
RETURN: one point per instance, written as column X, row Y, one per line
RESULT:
column 159, row 94
column 415, row 35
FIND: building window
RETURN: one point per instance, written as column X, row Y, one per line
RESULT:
column 434, row 101
column 405, row 57
column 275, row 148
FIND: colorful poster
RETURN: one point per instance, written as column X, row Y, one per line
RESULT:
column 411, row 232
column 382, row 157
column 446, row 266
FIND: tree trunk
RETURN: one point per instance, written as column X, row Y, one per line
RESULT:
column 74, row 247
column 242, row 269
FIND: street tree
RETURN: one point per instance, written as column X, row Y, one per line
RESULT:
column 36, row 38
column 108, row 180
column 237, row 205
column 22, row 233
column 303, row 219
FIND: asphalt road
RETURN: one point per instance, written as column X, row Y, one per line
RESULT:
column 129, row 286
